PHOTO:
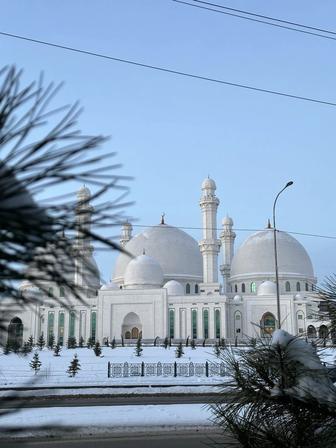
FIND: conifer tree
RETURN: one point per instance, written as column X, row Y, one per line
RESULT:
column 138, row 347
column 179, row 351
column 166, row 342
column 35, row 363
column 57, row 349
column 81, row 342
column 90, row 342
column 74, row 367
column 31, row 341
column 97, row 349
column 72, row 343
column 193, row 344
column 51, row 341
column 223, row 343
column 41, row 342
column 7, row 348
column 113, row 343
column 26, row 349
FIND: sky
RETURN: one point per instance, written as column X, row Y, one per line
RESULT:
column 171, row 132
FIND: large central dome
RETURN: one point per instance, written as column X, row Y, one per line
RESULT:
column 255, row 257
column 177, row 253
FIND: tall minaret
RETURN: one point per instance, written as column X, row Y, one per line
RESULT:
column 209, row 245
column 87, row 273
column 227, row 238
column 126, row 233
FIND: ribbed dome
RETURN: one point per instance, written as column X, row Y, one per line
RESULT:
column 208, row 184
column 267, row 288
column 177, row 253
column 143, row 271
column 174, row 288
column 255, row 257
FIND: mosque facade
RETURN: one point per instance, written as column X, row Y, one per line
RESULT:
column 173, row 286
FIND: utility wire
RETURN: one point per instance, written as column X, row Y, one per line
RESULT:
column 261, row 16
column 167, row 70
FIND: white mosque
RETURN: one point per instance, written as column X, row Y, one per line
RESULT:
column 171, row 286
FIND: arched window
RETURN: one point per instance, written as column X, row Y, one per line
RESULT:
column 171, row 324
column 72, row 319
column 205, row 324
column 243, row 287
column 196, row 289
column 61, row 328
column 236, row 288
column 62, row 291
column 298, row 286
column 50, row 292
column 217, row 323
column 93, row 326
column 194, row 323
column 253, row 287
column 237, row 323
column 15, row 332
column 188, row 288
column 267, row 324
column 307, row 287
column 51, row 321
column 311, row 331
column 323, row 332
column 287, row 287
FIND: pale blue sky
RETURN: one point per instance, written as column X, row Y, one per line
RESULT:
column 171, row 132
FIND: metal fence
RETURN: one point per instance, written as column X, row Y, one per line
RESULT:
column 164, row 369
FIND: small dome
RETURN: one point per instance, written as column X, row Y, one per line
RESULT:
column 227, row 221
column 267, row 288
column 174, row 288
column 143, row 271
column 109, row 286
column 300, row 297
column 208, row 184
column 237, row 298
column 83, row 193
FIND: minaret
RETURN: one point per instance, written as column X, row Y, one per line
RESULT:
column 209, row 245
column 227, row 238
column 87, row 273
column 126, row 233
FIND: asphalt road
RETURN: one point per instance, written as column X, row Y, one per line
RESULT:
column 111, row 400
column 170, row 440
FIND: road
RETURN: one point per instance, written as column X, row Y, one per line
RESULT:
column 113, row 400
column 167, row 440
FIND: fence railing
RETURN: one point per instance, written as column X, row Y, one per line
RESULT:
column 165, row 369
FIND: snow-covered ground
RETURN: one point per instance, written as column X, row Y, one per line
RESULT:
column 15, row 370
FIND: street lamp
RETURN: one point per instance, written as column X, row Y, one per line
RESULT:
column 288, row 184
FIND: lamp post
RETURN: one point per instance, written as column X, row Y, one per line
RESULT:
column 276, row 254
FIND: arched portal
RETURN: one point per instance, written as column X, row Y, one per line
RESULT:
column 15, row 332
column 311, row 331
column 267, row 324
column 131, row 326
column 323, row 332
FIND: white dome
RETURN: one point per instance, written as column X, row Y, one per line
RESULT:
column 174, row 288
column 267, row 288
column 143, row 271
column 208, row 184
column 83, row 193
column 177, row 253
column 109, row 286
column 237, row 298
column 255, row 258
column 227, row 221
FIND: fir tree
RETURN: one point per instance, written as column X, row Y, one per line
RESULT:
column 31, row 341
column 179, row 351
column 90, row 343
column 253, row 342
column 217, row 350
column 74, row 367
column 26, row 349
column 57, row 350
column 138, row 347
column 51, row 341
column 223, row 343
column 72, row 343
column 97, row 349
column 7, row 348
column 166, row 342
column 81, row 342
column 41, row 342
column 193, row 344
column 35, row 363
column 113, row 343
column 15, row 347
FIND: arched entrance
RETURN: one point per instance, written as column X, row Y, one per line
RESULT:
column 267, row 324
column 131, row 326
column 15, row 332
column 323, row 332
column 311, row 331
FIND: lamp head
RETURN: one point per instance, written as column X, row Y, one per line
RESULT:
column 288, row 184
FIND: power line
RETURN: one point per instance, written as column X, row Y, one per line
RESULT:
column 171, row 71
column 261, row 16
column 313, row 235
